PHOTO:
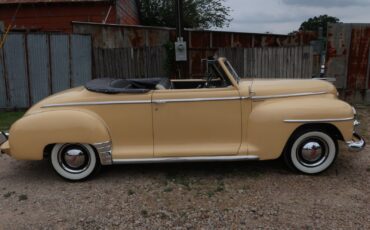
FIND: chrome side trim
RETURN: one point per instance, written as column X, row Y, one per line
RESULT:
column 105, row 152
column 318, row 120
column 288, row 95
column 97, row 103
column 162, row 101
column 184, row 159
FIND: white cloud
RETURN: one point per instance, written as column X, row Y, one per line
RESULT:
column 326, row 3
column 284, row 16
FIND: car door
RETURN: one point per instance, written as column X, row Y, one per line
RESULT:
column 196, row 122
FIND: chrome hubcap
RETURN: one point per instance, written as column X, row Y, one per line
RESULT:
column 312, row 152
column 74, row 158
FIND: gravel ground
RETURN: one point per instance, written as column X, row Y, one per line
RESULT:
column 190, row 196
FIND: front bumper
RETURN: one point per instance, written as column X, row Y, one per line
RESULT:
column 4, row 136
column 356, row 144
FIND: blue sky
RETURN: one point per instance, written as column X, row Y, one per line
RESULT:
column 284, row 16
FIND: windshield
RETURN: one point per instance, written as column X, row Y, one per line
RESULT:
column 232, row 71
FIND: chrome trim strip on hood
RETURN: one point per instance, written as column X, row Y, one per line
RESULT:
column 289, row 95
column 318, row 120
column 97, row 103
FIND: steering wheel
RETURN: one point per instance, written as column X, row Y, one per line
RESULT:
column 210, row 77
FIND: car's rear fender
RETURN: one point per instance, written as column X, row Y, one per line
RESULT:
column 31, row 134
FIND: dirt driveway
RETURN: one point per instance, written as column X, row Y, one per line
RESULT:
column 190, row 196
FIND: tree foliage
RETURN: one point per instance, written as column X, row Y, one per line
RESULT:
column 313, row 24
column 202, row 14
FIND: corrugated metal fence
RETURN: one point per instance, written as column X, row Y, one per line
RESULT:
column 35, row 65
column 348, row 60
column 272, row 62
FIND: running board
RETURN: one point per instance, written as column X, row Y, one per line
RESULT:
column 185, row 159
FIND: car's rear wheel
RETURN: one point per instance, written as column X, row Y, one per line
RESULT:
column 311, row 151
column 74, row 162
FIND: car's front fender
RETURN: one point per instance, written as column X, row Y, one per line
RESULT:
column 273, row 121
column 32, row 133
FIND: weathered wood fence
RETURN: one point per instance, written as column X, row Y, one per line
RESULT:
column 35, row 65
column 142, row 62
column 272, row 62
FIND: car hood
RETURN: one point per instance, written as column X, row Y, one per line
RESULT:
column 281, row 87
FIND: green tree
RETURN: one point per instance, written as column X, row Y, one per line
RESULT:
column 203, row 14
column 313, row 24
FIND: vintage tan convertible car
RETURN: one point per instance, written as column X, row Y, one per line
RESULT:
column 219, row 118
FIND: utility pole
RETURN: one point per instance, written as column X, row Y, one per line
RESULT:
column 180, row 44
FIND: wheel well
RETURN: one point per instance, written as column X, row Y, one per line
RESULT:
column 47, row 150
column 330, row 128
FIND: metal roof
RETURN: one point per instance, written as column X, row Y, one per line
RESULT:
column 3, row 2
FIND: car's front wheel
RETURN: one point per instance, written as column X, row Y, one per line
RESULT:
column 74, row 162
column 311, row 151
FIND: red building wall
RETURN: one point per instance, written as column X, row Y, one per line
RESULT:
column 127, row 12
column 58, row 16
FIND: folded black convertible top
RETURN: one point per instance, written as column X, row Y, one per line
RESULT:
column 114, row 86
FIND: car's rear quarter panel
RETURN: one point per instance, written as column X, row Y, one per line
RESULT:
column 31, row 134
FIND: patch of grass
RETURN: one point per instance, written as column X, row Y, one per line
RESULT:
column 22, row 197
column 8, row 118
column 163, row 216
column 8, row 194
column 255, row 174
column 130, row 192
column 220, row 186
column 144, row 213
column 168, row 189
column 179, row 179
column 210, row 193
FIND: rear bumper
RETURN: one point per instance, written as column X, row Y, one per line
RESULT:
column 356, row 144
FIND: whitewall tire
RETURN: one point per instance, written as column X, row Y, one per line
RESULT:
column 74, row 162
column 311, row 151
